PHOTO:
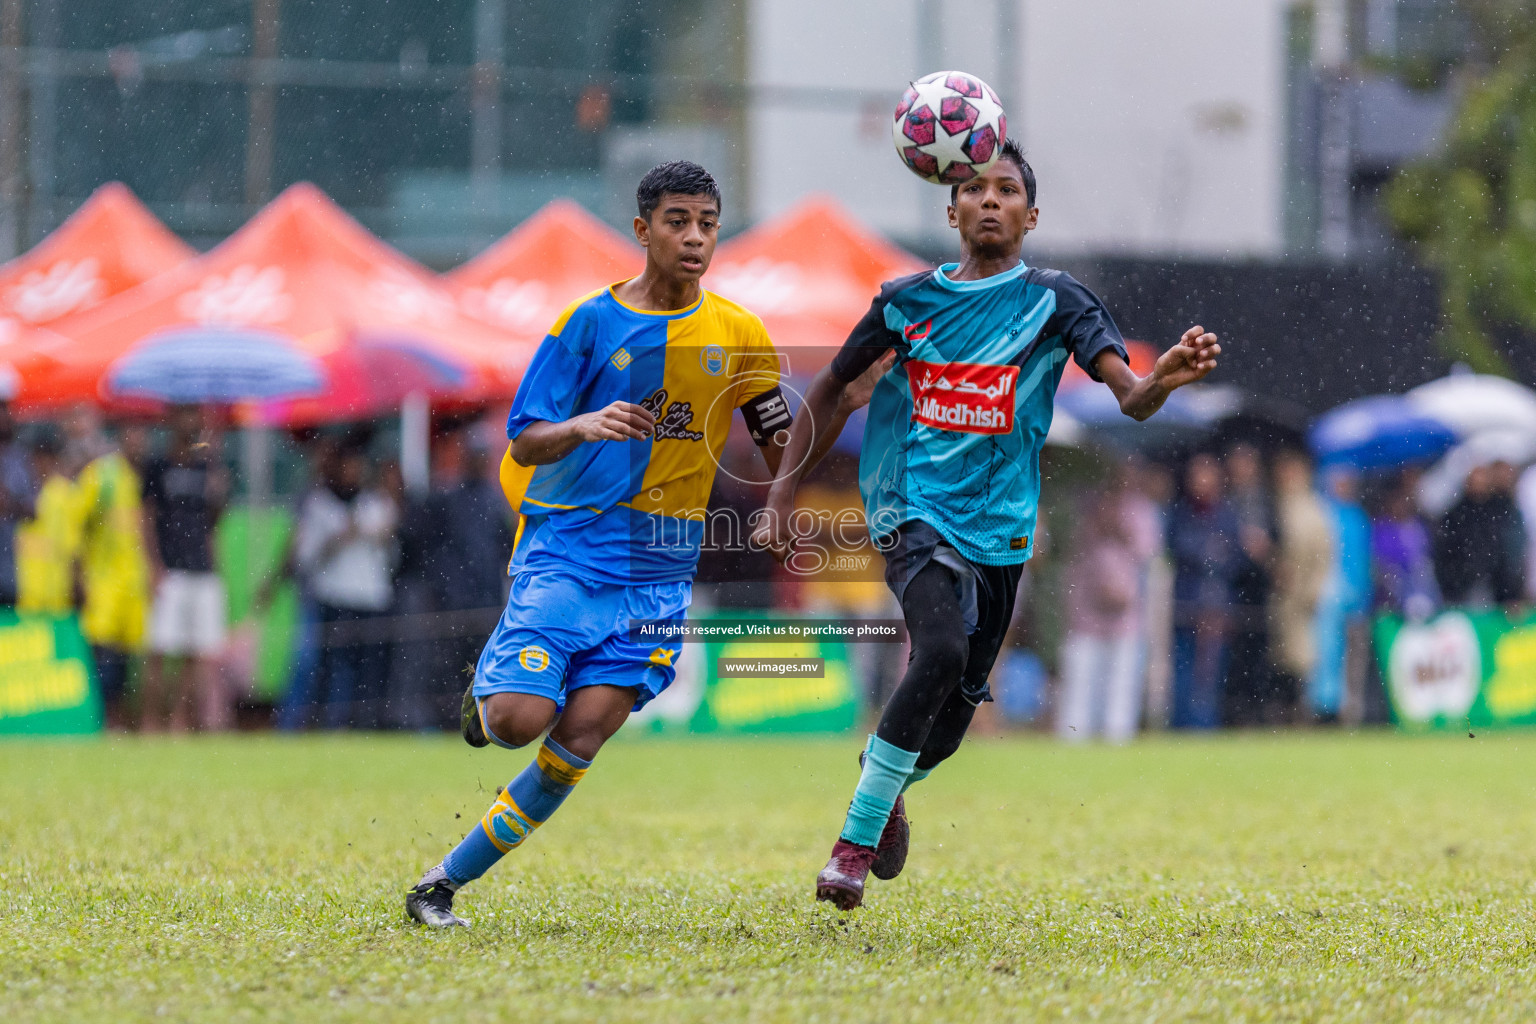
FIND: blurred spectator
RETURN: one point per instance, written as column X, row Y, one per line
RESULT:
column 114, row 569
column 1402, row 555
column 1155, row 487
column 471, row 566
column 84, row 439
column 1525, row 500
column 344, row 545
column 1203, row 539
column 46, row 544
column 416, row 656
column 1302, row 559
column 1480, row 547
column 1101, row 657
column 184, row 495
column 18, row 501
column 1343, row 614
column 454, row 548
column 299, row 707
column 1248, row 664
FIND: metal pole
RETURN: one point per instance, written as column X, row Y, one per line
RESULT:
column 13, row 133
column 1331, row 58
column 256, row 459
column 42, row 103
column 485, row 108
column 930, row 36
column 929, row 50
column 1009, row 42
column 261, row 120
column 416, row 442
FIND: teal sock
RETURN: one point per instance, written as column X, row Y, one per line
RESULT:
column 886, row 769
column 917, row 775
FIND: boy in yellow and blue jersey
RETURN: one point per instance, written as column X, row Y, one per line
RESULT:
column 615, row 435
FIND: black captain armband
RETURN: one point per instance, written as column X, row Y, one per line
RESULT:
column 766, row 415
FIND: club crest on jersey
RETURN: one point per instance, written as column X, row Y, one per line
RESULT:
column 533, row 658
column 712, row 360
column 917, row 332
column 621, row 359
column 973, row 398
column 1016, row 323
column 673, row 424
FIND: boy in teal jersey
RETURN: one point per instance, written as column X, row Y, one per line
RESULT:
column 950, row 477
column 614, row 432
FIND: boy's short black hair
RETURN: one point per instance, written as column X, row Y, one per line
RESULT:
column 681, row 177
column 1014, row 155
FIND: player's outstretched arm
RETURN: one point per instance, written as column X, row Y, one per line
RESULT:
column 828, row 403
column 543, row 442
column 1188, row 361
column 815, row 427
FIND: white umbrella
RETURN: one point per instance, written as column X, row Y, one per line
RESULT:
column 1442, row 485
column 1065, row 430
column 1471, row 403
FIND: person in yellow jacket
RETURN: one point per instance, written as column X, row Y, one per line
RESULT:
column 47, row 543
column 114, row 571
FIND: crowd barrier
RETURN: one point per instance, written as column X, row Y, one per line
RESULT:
column 1460, row 669
column 47, row 682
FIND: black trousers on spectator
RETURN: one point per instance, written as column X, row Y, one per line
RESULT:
column 354, row 662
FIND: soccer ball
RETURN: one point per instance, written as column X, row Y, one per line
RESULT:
column 949, row 127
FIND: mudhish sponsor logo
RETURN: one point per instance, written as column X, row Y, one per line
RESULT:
column 931, row 410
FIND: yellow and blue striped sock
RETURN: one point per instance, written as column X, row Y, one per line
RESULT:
column 886, row 771
column 528, row 802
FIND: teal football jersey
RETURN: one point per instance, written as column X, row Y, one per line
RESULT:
column 954, row 429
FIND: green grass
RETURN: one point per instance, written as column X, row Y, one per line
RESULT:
column 1297, row 878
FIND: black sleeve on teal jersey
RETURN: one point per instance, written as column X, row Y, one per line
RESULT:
column 871, row 338
column 1081, row 320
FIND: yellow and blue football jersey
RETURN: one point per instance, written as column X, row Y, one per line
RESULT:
column 633, row 511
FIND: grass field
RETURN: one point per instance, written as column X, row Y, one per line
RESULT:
column 1313, row 877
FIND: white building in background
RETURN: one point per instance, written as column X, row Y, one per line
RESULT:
column 1155, row 126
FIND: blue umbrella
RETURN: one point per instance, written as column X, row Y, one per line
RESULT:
column 214, row 364
column 1382, row 432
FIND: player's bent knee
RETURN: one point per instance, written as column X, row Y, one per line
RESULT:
column 584, row 739
column 935, row 752
column 942, row 655
column 512, row 722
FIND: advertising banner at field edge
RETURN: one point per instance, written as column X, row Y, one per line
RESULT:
column 47, row 680
column 705, row 699
column 1459, row 669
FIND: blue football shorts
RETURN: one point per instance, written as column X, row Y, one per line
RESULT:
column 561, row 632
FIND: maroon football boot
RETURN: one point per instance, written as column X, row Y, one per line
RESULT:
column 891, row 854
column 841, row 882
column 894, row 840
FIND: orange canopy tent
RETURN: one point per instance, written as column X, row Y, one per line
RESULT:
column 810, row 274
column 111, row 244
column 523, row 282
column 303, row 270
